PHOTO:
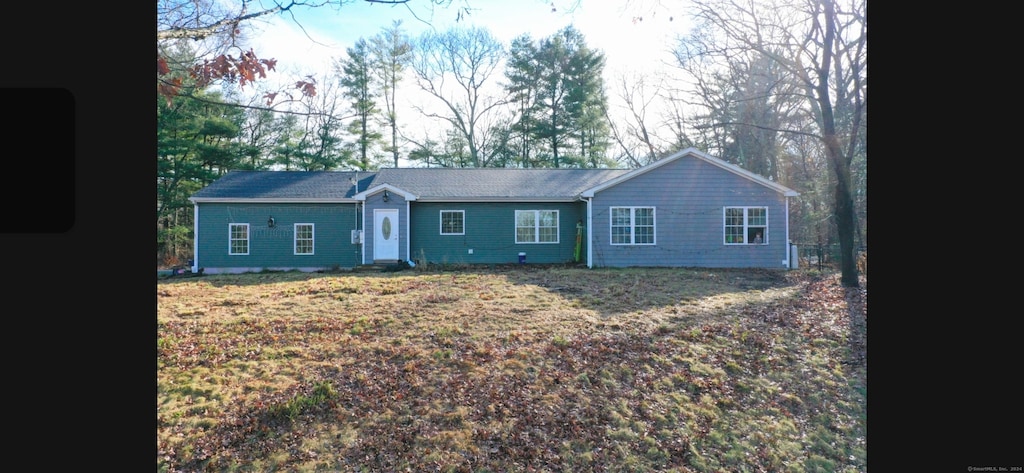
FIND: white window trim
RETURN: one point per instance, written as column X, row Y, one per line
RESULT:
column 537, row 227
column 248, row 240
column 746, row 225
column 441, row 221
column 632, row 225
column 295, row 239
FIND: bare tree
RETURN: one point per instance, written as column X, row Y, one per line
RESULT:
column 222, row 25
column 820, row 44
column 677, row 121
column 324, row 128
column 746, row 102
column 637, row 137
column 312, row 141
column 457, row 67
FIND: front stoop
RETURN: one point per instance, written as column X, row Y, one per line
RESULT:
column 371, row 268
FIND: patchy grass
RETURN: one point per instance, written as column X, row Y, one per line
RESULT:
column 512, row 369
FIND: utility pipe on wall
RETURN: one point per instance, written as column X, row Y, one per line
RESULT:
column 195, row 238
column 786, row 261
column 590, row 239
column 408, row 257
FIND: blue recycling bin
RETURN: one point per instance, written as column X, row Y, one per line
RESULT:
column 522, row 257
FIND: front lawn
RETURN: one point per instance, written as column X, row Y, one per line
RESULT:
column 512, row 369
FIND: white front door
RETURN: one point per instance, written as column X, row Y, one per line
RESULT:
column 385, row 234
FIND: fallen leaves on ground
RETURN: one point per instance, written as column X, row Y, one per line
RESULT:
column 774, row 378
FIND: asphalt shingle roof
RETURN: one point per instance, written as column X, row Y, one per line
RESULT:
column 494, row 183
column 284, row 185
column 425, row 183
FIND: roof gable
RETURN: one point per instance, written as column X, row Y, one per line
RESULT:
column 376, row 188
column 690, row 152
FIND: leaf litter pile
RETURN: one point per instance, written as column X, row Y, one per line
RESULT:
column 512, row 369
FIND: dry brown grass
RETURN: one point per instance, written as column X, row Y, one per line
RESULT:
column 511, row 369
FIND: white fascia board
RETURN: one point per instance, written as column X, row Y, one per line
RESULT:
column 498, row 199
column 700, row 155
column 385, row 187
column 229, row 200
column 636, row 172
column 747, row 174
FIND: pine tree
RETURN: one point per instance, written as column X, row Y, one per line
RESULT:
column 357, row 84
column 391, row 51
column 559, row 88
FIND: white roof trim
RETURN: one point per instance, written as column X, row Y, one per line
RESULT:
column 697, row 154
column 498, row 199
column 384, row 187
column 281, row 200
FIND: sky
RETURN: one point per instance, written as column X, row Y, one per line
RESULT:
column 315, row 38
column 606, row 25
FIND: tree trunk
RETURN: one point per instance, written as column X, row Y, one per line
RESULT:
column 844, row 209
column 394, row 140
column 844, row 213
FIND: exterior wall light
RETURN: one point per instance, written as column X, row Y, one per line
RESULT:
column 387, row 196
column 270, row 222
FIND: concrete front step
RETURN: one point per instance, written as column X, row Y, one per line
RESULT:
column 369, row 268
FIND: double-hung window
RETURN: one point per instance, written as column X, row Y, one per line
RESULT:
column 303, row 238
column 536, row 226
column 746, row 225
column 453, row 222
column 632, row 225
column 238, row 238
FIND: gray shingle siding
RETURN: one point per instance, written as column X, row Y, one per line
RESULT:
column 689, row 196
column 273, row 248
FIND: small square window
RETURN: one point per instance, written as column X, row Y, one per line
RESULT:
column 453, row 222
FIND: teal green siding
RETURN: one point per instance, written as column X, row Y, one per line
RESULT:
column 490, row 231
column 273, row 248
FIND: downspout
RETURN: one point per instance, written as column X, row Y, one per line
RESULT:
column 362, row 247
column 408, row 256
column 785, row 261
column 195, row 237
column 590, row 238
column 356, row 182
column 357, row 213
